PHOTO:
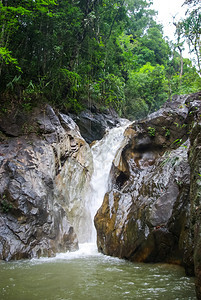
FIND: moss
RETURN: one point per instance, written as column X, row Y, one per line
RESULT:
column 6, row 206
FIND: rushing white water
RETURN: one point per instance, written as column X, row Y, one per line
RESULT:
column 85, row 250
column 103, row 152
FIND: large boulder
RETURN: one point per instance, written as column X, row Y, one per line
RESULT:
column 148, row 213
column 93, row 123
column 37, row 162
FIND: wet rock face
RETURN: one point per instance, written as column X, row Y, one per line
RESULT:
column 147, row 214
column 142, row 219
column 93, row 124
column 34, row 220
column 195, row 197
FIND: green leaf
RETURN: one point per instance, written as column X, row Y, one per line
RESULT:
column 7, row 58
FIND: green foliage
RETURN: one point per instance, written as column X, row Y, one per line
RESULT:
column 167, row 131
column 190, row 28
column 113, row 91
column 153, row 41
column 177, row 142
column 5, row 205
column 6, row 57
column 148, row 84
column 74, row 53
column 190, row 82
column 136, row 108
column 71, row 80
column 151, row 131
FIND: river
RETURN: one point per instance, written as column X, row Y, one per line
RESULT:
column 87, row 274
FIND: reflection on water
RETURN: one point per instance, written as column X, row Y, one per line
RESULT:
column 89, row 275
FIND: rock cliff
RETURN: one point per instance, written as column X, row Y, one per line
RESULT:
column 195, row 197
column 40, row 155
column 151, row 212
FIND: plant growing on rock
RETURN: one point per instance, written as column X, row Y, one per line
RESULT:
column 5, row 205
column 151, row 131
column 167, row 131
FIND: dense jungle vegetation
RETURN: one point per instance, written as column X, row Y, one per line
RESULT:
column 111, row 53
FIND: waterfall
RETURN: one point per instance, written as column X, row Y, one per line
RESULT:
column 103, row 153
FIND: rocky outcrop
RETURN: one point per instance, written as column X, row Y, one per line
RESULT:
column 151, row 212
column 195, row 198
column 38, row 163
column 93, row 123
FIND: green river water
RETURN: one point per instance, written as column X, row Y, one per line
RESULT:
column 86, row 274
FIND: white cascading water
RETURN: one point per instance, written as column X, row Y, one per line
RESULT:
column 103, row 152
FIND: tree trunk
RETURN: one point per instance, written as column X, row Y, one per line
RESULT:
column 181, row 63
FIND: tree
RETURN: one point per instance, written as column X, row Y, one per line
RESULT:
column 179, row 45
column 191, row 81
column 146, row 89
column 153, row 40
column 191, row 26
column 75, row 53
column 140, row 17
column 13, row 16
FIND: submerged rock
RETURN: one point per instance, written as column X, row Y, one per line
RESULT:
column 151, row 210
column 37, row 168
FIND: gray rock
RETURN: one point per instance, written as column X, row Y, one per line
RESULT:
column 35, row 213
column 93, row 124
column 147, row 214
